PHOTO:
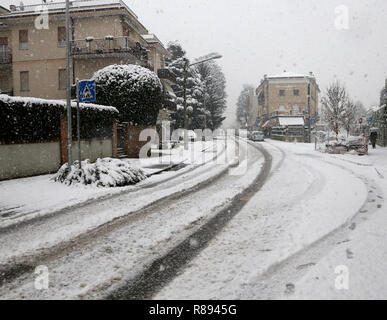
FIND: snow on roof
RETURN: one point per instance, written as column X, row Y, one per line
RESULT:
column 291, row 121
column 149, row 37
column 29, row 100
column 77, row 4
column 290, row 75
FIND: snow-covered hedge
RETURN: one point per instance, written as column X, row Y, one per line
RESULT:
column 25, row 119
column 105, row 172
column 135, row 91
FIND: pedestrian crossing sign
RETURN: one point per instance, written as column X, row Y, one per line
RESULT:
column 86, row 91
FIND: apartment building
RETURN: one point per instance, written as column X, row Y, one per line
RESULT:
column 287, row 94
column 103, row 32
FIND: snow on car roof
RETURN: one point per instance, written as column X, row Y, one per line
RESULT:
column 291, row 121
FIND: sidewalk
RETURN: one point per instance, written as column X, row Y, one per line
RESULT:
column 24, row 198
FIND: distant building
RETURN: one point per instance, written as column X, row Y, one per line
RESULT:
column 103, row 32
column 3, row 10
column 287, row 95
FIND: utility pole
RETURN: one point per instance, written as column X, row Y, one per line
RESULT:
column 309, row 115
column 78, row 126
column 68, row 85
column 186, row 65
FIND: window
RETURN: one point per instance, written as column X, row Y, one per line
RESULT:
column 23, row 39
column 296, row 92
column 24, row 81
column 296, row 109
column 61, row 36
column 62, row 79
column 4, row 52
column 282, row 93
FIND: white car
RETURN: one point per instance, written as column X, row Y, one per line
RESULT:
column 257, row 136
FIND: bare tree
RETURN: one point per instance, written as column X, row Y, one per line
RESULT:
column 361, row 111
column 334, row 103
column 350, row 115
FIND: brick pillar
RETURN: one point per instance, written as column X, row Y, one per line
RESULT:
column 114, row 140
column 63, row 139
column 133, row 144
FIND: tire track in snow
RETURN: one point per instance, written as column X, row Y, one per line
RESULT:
column 276, row 280
column 163, row 270
column 25, row 263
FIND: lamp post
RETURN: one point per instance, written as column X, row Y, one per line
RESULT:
column 187, row 65
column 309, row 115
column 68, row 86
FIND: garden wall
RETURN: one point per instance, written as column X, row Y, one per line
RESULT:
column 33, row 135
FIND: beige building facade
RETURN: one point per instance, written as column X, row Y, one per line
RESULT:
column 103, row 32
column 287, row 94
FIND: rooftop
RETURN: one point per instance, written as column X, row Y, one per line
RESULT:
column 59, row 6
column 286, row 74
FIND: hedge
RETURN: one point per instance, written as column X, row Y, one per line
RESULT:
column 134, row 90
column 29, row 120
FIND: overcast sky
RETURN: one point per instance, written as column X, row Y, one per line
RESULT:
column 258, row 37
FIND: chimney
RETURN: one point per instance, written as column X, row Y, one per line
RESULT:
column 311, row 74
column 265, row 76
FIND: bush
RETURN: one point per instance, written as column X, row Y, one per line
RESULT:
column 135, row 91
column 37, row 120
column 105, row 172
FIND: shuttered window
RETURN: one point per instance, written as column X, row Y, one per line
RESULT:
column 23, row 39
column 24, row 81
column 3, row 41
column 62, row 79
column 62, row 36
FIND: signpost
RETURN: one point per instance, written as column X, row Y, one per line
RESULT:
column 85, row 93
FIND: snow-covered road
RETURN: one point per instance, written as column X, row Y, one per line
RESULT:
column 312, row 213
column 292, row 235
column 91, row 249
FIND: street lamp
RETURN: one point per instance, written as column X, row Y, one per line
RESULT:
column 211, row 56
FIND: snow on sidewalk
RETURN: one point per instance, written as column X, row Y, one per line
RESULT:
column 26, row 198
column 304, row 199
column 356, row 267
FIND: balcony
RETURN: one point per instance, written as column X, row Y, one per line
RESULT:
column 108, row 47
column 5, row 58
column 167, row 75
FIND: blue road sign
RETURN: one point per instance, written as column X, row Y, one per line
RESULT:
column 86, row 91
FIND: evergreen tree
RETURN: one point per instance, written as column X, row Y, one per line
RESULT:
column 243, row 105
column 194, row 88
column 213, row 99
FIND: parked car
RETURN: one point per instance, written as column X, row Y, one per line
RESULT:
column 257, row 136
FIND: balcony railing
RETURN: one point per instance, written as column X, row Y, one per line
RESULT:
column 5, row 56
column 165, row 74
column 108, row 46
